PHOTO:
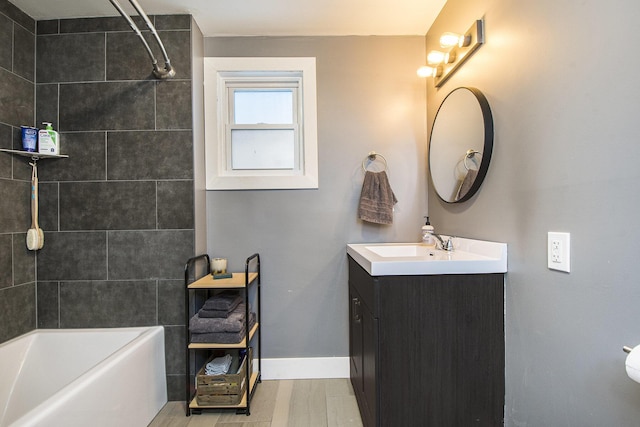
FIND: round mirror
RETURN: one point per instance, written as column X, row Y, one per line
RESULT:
column 460, row 145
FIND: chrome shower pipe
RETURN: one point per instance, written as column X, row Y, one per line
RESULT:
column 160, row 73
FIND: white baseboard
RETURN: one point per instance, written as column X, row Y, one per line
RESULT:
column 305, row 368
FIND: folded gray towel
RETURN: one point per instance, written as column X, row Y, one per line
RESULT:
column 465, row 184
column 227, row 300
column 233, row 323
column 224, row 337
column 376, row 199
column 214, row 313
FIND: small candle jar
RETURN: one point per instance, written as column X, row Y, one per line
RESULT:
column 219, row 265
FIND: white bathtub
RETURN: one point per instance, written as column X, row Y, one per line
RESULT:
column 83, row 377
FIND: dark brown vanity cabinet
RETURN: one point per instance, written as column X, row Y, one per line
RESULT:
column 427, row 350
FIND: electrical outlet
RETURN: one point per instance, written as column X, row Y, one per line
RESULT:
column 559, row 251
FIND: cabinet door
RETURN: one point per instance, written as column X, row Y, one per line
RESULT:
column 369, row 365
column 355, row 340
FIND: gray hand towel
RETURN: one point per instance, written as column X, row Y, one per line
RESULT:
column 377, row 199
column 466, row 183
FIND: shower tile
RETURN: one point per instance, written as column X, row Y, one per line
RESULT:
column 24, row 52
column 174, row 342
column 149, row 155
column 70, row 58
column 107, row 205
column 175, row 387
column 98, row 25
column 47, row 104
column 171, row 302
column 16, row 142
column 24, row 261
column 6, row 42
column 21, row 167
column 73, row 256
column 6, row 261
column 107, row 106
column 172, row 22
column 5, row 136
column 48, row 206
column 6, row 159
column 86, row 162
column 107, row 304
column 48, row 304
column 173, row 105
column 149, row 254
column 17, row 15
column 15, row 209
column 16, row 99
column 127, row 59
column 175, row 205
column 5, row 165
column 17, row 311
column 178, row 47
column 50, row 26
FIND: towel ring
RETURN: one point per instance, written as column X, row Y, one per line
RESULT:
column 372, row 156
column 470, row 154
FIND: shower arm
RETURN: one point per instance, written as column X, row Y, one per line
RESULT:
column 159, row 73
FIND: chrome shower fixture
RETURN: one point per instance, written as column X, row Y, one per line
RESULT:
column 160, row 73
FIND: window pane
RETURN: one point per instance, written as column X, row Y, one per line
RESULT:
column 263, row 106
column 262, row 149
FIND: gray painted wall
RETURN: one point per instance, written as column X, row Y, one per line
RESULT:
column 369, row 98
column 565, row 103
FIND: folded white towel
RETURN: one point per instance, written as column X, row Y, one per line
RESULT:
column 218, row 366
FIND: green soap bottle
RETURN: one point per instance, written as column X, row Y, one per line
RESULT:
column 48, row 140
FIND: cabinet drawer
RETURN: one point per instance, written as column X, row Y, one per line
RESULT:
column 364, row 284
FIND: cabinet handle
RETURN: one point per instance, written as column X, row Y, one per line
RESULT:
column 356, row 309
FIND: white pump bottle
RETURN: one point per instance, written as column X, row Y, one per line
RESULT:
column 427, row 234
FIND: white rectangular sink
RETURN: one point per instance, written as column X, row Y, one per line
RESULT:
column 401, row 259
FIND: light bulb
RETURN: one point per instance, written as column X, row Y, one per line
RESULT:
column 449, row 40
column 435, row 57
column 425, row 71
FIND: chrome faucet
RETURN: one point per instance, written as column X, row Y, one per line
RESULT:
column 445, row 246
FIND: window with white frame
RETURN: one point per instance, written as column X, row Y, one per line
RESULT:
column 260, row 123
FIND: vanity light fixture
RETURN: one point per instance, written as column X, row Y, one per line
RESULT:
column 442, row 65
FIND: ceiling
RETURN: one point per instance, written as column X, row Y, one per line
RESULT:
column 266, row 17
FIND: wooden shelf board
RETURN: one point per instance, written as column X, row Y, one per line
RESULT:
column 242, row 404
column 241, row 344
column 208, row 282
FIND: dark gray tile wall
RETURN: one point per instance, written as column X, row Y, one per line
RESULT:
column 17, row 103
column 118, row 213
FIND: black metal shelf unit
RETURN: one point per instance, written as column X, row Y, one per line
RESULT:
column 199, row 287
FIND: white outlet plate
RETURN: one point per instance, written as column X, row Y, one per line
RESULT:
column 559, row 251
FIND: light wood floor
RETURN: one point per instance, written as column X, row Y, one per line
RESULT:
column 284, row 403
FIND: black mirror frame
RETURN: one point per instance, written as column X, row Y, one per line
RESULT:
column 487, row 119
